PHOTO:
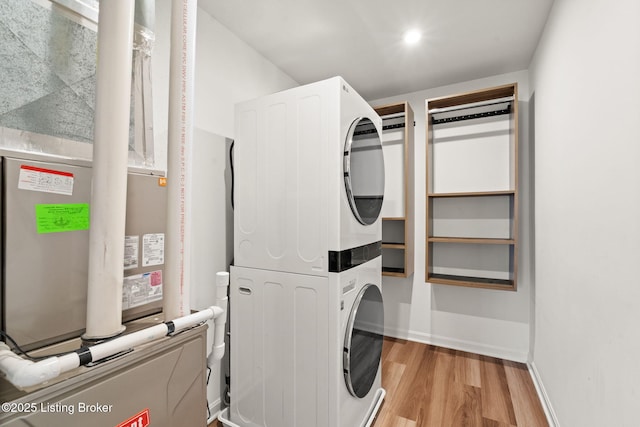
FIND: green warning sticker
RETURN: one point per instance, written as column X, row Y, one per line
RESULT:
column 62, row 217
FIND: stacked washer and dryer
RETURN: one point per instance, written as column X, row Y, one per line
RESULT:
column 307, row 317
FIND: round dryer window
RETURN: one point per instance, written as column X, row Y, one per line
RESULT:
column 363, row 341
column 364, row 170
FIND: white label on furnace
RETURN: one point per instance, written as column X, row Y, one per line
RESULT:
column 131, row 244
column 45, row 180
column 141, row 289
column 152, row 249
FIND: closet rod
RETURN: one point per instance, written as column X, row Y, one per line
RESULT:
column 435, row 121
column 387, row 127
column 471, row 105
column 393, row 126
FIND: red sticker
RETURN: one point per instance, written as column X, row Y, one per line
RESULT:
column 139, row 420
column 51, row 171
column 156, row 278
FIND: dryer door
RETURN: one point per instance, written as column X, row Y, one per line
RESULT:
column 363, row 341
column 364, row 170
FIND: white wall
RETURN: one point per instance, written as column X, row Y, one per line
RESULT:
column 586, row 82
column 490, row 322
column 227, row 71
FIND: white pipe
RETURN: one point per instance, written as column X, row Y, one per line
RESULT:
column 178, row 238
column 217, row 351
column 24, row 373
column 143, row 41
column 110, row 157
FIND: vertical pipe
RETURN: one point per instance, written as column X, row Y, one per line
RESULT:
column 109, row 182
column 143, row 41
column 222, row 287
column 179, row 151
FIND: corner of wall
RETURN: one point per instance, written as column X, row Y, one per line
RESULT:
column 552, row 419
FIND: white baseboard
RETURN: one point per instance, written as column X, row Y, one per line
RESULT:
column 214, row 410
column 552, row 419
column 462, row 345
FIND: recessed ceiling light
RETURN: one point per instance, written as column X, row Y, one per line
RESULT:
column 412, row 37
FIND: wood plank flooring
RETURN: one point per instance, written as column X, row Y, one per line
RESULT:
column 430, row 386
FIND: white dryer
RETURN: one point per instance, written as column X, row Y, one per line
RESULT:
column 308, row 180
column 306, row 349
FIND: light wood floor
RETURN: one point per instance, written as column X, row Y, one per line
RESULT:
column 430, row 386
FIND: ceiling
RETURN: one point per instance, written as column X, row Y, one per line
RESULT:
column 361, row 40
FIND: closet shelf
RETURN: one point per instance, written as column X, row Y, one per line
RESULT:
column 473, row 99
column 394, row 271
column 472, row 240
column 474, row 194
column 478, row 282
column 472, row 189
column 390, row 245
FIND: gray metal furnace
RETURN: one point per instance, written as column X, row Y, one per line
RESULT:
column 161, row 384
column 45, row 246
column 45, row 205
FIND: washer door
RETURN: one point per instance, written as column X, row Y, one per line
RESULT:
column 364, row 170
column 363, row 341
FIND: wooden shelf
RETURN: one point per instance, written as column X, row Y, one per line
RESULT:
column 475, row 282
column 394, row 271
column 472, row 240
column 393, row 245
column 387, row 110
column 472, row 188
column 474, row 194
column 473, row 97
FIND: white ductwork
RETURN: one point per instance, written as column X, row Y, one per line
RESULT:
column 24, row 373
column 179, row 153
column 110, row 159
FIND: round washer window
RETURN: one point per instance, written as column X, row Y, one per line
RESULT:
column 363, row 341
column 364, row 170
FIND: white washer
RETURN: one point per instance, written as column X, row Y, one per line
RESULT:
column 308, row 180
column 306, row 349
column 362, row 332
